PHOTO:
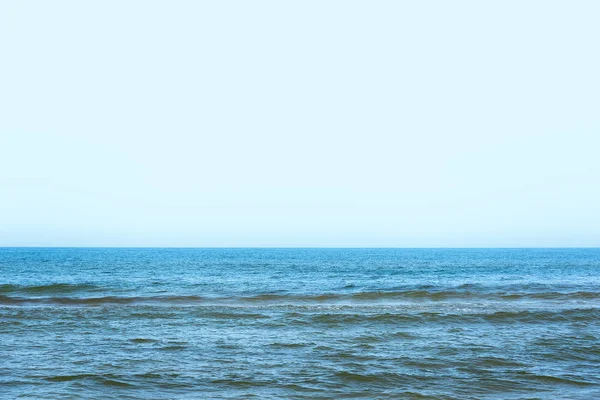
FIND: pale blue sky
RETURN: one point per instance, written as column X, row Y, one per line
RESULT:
column 299, row 123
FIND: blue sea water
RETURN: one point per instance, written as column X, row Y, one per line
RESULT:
column 97, row 323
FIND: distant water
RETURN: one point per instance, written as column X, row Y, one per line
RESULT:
column 299, row 323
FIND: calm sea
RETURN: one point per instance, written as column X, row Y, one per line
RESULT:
column 299, row 323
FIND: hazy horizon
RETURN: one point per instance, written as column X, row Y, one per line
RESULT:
column 299, row 248
column 305, row 124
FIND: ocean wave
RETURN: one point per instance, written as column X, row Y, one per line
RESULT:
column 332, row 315
column 105, row 380
column 6, row 300
column 66, row 294
column 49, row 289
column 504, row 317
column 472, row 294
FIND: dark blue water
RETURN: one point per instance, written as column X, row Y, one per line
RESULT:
column 299, row 323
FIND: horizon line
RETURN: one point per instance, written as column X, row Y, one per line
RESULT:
column 304, row 247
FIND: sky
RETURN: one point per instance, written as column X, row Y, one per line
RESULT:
column 300, row 123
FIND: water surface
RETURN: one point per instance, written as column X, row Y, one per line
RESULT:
column 299, row 323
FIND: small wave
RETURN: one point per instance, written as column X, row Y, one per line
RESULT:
column 268, row 297
column 371, row 378
column 589, row 314
column 68, row 378
column 549, row 379
column 236, row 315
column 382, row 337
column 353, row 377
column 503, row 317
column 287, row 345
column 471, row 294
column 174, row 347
column 115, row 383
column 552, row 295
column 65, row 294
column 106, row 380
column 463, row 292
column 143, row 340
column 490, row 361
column 99, row 300
column 49, row 289
column 355, row 318
column 414, row 294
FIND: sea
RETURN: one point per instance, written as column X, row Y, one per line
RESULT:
column 241, row 323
